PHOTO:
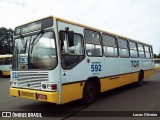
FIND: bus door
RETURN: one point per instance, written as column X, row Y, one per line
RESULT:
column 72, row 60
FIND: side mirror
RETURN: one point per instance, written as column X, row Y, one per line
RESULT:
column 71, row 38
column 61, row 35
column 62, row 38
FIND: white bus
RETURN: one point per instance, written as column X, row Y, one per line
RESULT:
column 58, row 61
column 5, row 64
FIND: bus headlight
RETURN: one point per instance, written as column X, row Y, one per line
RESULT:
column 49, row 86
column 13, row 83
column 44, row 86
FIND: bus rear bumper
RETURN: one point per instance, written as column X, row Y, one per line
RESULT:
column 52, row 97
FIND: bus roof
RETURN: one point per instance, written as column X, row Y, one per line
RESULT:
column 86, row 27
column 98, row 30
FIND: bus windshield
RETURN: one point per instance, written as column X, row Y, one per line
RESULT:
column 35, row 52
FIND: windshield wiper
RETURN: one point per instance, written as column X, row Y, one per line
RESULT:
column 35, row 40
column 39, row 34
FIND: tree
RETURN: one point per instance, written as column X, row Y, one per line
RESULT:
column 6, row 40
column 155, row 56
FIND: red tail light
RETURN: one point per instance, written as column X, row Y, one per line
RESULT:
column 54, row 86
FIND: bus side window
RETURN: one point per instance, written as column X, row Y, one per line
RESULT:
column 93, row 46
column 147, row 52
column 109, row 46
column 76, row 47
column 141, row 51
column 123, row 47
column 71, row 53
column 133, row 49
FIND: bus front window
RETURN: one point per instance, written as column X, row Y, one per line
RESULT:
column 43, row 52
column 35, row 52
column 20, row 53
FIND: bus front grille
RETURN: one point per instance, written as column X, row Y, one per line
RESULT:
column 31, row 80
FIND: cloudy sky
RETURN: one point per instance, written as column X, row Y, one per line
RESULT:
column 136, row 19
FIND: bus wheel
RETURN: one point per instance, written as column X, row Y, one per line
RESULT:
column 89, row 93
column 140, row 79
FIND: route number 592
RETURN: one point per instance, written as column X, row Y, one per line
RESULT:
column 96, row 66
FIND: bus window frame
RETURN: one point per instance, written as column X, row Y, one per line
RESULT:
column 110, row 46
column 64, row 54
column 147, row 51
column 82, row 43
column 141, row 50
column 133, row 49
column 100, row 43
column 124, row 48
column 151, row 52
column 35, row 33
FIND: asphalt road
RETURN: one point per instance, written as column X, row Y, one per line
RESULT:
column 121, row 100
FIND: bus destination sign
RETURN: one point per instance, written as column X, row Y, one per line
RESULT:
column 33, row 26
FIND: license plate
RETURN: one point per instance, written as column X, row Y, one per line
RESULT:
column 27, row 94
column 40, row 96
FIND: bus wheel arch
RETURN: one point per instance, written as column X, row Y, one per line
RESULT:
column 139, row 83
column 91, row 90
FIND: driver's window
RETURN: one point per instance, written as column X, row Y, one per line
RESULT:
column 74, row 49
column 72, row 52
column 77, row 45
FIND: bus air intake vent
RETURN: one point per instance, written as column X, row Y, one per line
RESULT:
column 31, row 80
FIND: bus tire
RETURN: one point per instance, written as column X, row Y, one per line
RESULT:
column 140, row 79
column 89, row 93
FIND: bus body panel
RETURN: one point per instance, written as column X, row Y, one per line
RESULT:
column 72, row 91
column 52, row 76
column 72, row 87
column 119, row 74
column 108, row 83
column 35, row 95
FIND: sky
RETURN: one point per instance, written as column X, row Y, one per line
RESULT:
column 135, row 19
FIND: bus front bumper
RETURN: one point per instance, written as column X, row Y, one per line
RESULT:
column 52, row 97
